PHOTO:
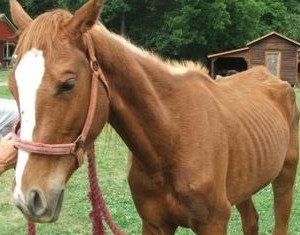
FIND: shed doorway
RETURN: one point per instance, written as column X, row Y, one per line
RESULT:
column 226, row 66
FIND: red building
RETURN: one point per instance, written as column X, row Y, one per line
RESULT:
column 8, row 40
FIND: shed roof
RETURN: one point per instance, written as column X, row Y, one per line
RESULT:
column 273, row 33
column 228, row 52
column 253, row 42
column 11, row 25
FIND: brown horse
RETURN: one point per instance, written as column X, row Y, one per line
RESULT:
column 199, row 146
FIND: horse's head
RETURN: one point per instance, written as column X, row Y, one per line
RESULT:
column 51, row 82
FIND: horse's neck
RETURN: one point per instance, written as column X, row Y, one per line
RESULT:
column 138, row 86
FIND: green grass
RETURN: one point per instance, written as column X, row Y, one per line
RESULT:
column 4, row 92
column 3, row 75
column 112, row 167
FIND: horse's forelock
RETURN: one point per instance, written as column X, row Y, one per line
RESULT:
column 44, row 33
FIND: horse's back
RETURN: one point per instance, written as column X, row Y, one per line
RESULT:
column 257, row 87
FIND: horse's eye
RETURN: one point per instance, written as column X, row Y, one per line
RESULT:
column 66, row 86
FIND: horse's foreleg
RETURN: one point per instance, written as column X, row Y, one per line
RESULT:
column 168, row 229
column 217, row 221
column 249, row 217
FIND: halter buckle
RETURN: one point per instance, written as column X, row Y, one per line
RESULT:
column 78, row 145
column 95, row 66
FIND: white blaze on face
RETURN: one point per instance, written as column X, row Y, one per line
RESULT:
column 29, row 74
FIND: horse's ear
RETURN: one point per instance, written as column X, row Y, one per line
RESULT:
column 19, row 16
column 85, row 18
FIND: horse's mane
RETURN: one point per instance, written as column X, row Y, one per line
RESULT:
column 173, row 65
column 37, row 35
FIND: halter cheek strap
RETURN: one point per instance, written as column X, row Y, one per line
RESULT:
column 77, row 147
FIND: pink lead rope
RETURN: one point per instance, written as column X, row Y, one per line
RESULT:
column 100, row 211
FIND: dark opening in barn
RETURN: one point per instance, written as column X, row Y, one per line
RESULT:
column 228, row 66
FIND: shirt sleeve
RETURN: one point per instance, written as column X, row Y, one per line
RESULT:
column 8, row 114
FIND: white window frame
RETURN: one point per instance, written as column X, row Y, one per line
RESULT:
column 6, row 46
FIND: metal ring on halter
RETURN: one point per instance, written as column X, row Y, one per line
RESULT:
column 95, row 66
column 78, row 144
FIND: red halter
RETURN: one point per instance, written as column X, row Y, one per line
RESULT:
column 77, row 147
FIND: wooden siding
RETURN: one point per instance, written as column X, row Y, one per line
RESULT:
column 288, row 51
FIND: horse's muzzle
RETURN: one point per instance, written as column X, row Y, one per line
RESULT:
column 40, row 209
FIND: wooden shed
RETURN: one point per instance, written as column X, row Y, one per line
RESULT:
column 7, row 40
column 275, row 51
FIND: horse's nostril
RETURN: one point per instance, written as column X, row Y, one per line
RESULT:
column 36, row 203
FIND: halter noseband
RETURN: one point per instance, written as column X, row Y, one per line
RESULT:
column 77, row 147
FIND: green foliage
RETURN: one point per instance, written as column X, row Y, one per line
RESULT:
column 188, row 29
column 185, row 37
column 4, row 7
column 112, row 14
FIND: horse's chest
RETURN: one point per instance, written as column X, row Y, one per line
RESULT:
column 154, row 199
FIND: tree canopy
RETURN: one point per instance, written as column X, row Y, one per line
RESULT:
column 188, row 29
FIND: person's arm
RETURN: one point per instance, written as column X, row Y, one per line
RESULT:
column 8, row 154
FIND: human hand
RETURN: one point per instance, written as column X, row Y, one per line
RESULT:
column 8, row 153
